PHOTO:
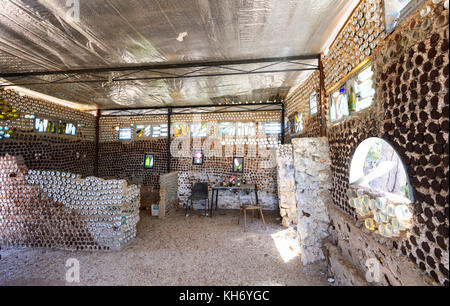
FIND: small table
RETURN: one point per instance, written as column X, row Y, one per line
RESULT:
column 216, row 189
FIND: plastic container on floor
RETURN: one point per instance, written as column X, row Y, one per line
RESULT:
column 155, row 210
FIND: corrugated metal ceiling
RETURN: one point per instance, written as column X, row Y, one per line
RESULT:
column 40, row 35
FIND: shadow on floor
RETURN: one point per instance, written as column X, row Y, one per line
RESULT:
column 176, row 250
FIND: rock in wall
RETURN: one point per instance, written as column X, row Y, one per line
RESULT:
column 313, row 182
column 357, row 256
column 286, row 186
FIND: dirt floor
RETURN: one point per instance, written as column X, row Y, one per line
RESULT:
column 195, row 250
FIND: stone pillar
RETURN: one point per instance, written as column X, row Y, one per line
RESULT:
column 313, row 190
column 286, row 186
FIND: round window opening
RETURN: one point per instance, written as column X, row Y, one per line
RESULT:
column 379, row 189
column 377, row 166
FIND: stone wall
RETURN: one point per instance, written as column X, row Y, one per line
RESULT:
column 286, row 186
column 313, row 184
column 354, row 250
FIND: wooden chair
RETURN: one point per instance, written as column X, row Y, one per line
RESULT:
column 252, row 207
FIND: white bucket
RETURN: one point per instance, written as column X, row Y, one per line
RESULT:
column 155, row 210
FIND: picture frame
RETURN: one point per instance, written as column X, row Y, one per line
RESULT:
column 160, row 130
column 238, row 164
column 45, row 125
column 198, row 157
column 143, row 131
column 199, row 130
column 272, row 128
column 125, row 133
column 149, row 161
column 180, row 130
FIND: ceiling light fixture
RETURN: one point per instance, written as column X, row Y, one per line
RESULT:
column 181, row 36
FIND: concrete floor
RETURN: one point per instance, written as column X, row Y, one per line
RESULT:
column 177, row 251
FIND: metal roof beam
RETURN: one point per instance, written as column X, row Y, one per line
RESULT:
column 161, row 66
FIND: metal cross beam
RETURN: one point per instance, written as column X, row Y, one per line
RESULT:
column 160, row 71
column 162, row 66
column 194, row 109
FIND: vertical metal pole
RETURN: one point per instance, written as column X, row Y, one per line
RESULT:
column 323, row 116
column 169, row 118
column 282, row 123
column 97, row 137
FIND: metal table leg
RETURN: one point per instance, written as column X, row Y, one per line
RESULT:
column 212, row 202
column 217, row 197
column 239, row 196
column 256, row 199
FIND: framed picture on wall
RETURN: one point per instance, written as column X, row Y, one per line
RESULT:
column 143, row 131
column 159, row 130
column 149, row 161
column 272, row 128
column 125, row 133
column 298, row 123
column 198, row 157
column 67, row 128
column 238, row 164
column 199, row 130
column 45, row 125
column 180, row 130
column 291, row 125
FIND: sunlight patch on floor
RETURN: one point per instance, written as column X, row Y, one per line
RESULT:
column 286, row 242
